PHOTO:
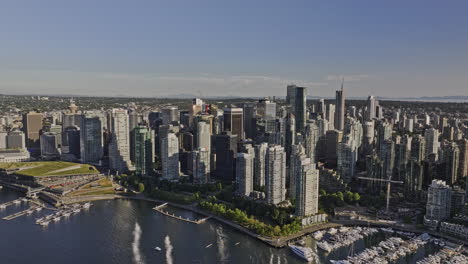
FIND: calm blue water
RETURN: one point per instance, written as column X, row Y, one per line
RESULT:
column 126, row 231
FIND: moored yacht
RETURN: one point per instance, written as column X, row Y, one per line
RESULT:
column 324, row 246
column 303, row 252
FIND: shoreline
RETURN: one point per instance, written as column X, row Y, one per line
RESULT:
column 283, row 241
column 279, row 242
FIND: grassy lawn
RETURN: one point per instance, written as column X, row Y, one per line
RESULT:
column 99, row 187
column 102, row 183
column 84, row 169
column 102, row 191
column 47, row 168
column 15, row 165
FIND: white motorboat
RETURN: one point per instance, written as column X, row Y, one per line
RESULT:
column 318, row 235
column 332, row 231
column 209, row 245
column 324, row 246
column 387, row 230
column 157, row 248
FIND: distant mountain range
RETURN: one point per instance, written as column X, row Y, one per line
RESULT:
column 189, row 96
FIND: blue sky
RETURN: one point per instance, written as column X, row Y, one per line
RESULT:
column 247, row 48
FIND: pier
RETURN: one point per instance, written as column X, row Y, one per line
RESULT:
column 5, row 205
column 18, row 214
column 159, row 209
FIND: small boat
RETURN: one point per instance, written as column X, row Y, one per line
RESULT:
column 387, row 230
column 17, row 201
column 237, row 244
column 318, row 235
column 66, row 214
column 29, row 212
column 207, row 246
column 56, row 219
column 44, row 223
column 38, row 209
column 2, row 206
column 303, row 252
column 157, row 248
column 24, row 200
column 77, row 210
column 324, row 246
column 332, row 231
column 344, row 229
column 87, row 205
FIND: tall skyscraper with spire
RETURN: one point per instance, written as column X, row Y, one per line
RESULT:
column 340, row 109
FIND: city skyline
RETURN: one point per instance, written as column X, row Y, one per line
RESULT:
column 396, row 49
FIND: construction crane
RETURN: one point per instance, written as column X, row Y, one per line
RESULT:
column 389, row 181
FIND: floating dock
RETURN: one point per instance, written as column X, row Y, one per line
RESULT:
column 30, row 210
column 17, row 201
column 159, row 209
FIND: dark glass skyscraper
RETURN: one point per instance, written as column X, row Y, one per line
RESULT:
column 234, row 122
column 340, row 109
column 297, row 98
column 226, row 148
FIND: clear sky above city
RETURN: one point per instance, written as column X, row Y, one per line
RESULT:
column 233, row 48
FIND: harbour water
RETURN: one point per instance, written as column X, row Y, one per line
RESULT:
column 127, row 231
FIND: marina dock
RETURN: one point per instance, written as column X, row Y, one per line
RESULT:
column 5, row 205
column 159, row 209
column 21, row 213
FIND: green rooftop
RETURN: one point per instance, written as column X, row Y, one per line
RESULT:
column 49, row 168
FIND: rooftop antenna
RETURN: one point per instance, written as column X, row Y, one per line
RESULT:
column 342, row 83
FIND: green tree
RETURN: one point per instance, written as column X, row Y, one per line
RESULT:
column 349, row 197
column 141, row 187
column 356, row 197
column 340, row 196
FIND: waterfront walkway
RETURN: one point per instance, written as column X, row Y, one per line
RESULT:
column 159, row 209
column 274, row 242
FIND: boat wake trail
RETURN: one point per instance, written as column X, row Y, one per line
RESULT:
column 222, row 250
column 169, row 247
column 137, row 256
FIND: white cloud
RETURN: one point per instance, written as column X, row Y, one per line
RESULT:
column 111, row 83
column 348, row 78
